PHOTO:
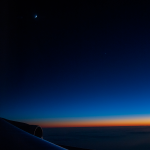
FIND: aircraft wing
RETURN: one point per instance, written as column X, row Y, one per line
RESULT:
column 21, row 136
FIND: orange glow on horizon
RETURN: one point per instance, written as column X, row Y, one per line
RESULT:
column 98, row 122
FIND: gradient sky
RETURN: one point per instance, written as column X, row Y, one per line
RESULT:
column 75, row 61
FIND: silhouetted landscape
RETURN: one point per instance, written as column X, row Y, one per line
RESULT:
column 100, row 138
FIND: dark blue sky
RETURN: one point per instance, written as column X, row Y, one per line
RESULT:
column 75, row 60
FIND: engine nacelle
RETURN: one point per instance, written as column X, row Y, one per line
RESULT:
column 21, row 136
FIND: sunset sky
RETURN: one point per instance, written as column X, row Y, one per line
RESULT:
column 77, row 63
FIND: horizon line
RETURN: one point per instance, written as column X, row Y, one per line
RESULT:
column 94, row 122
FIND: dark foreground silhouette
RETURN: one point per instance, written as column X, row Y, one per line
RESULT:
column 14, row 137
column 21, row 136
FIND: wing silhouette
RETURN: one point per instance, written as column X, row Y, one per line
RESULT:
column 21, row 136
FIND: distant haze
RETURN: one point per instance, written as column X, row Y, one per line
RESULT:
column 94, row 122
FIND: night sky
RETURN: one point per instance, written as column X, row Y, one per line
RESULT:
column 70, row 61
